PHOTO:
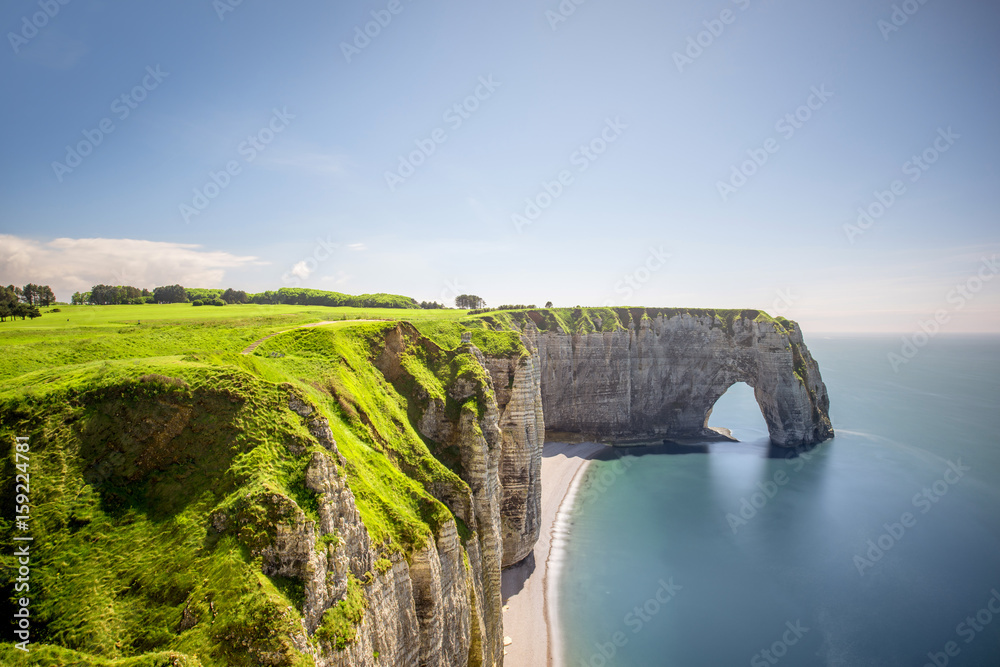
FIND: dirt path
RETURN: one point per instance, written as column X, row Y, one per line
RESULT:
column 253, row 346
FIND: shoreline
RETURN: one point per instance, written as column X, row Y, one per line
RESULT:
column 530, row 601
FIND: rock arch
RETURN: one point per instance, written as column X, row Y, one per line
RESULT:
column 660, row 378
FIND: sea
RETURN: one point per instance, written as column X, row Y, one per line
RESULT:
column 880, row 547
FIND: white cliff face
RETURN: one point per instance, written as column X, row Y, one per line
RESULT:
column 662, row 378
column 517, row 382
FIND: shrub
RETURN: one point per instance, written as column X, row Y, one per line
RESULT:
column 197, row 302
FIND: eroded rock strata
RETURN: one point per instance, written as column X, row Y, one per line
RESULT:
column 660, row 376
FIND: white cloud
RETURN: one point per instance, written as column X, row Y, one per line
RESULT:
column 70, row 265
column 301, row 269
column 357, row 246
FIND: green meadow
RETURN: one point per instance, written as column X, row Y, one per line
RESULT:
column 78, row 334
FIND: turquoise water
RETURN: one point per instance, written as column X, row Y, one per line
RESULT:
column 662, row 568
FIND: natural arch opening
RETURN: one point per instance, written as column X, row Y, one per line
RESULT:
column 738, row 411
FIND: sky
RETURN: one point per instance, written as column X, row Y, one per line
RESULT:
column 834, row 163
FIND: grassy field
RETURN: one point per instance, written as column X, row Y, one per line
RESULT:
column 78, row 334
column 108, row 316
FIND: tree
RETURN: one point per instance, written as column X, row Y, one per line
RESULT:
column 9, row 299
column 170, row 294
column 46, row 296
column 29, row 294
column 24, row 311
column 105, row 295
column 548, row 304
column 234, row 296
column 469, row 302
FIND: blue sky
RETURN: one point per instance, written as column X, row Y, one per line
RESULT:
column 641, row 219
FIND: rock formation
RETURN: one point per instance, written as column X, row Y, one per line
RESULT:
column 652, row 377
column 660, row 376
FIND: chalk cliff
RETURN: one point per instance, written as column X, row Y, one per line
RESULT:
column 660, row 374
column 630, row 374
column 517, row 383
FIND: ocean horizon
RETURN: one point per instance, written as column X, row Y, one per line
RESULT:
column 878, row 547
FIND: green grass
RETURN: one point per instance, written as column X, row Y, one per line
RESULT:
column 128, row 461
column 79, row 334
column 339, row 625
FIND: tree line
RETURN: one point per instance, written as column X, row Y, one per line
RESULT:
column 24, row 301
column 110, row 295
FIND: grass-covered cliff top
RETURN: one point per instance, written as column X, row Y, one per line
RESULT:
column 590, row 320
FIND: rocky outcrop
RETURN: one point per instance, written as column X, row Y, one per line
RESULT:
column 517, row 384
column 476, row 436
column 660, row 377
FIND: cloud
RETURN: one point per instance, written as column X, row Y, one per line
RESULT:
column 71, row 265
column 301, row 269
column 357, row 246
